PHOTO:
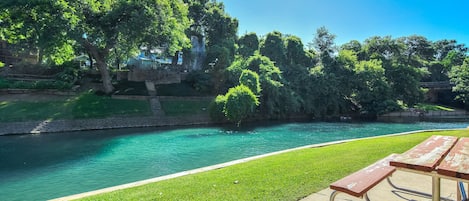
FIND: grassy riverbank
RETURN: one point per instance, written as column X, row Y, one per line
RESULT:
column 85, row 105
column 288, row 176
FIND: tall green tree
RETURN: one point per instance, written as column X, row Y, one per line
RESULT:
column 101, row 26
column 38, row 26
column 373, row 93
column 460, row 77
column 221, row 33
column 324, row 45
column 248, row 45
column 295, row 52
column 250, row 79
column 272, row 46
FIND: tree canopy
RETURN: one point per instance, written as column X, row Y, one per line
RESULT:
column 97, row 27
column 275, row 72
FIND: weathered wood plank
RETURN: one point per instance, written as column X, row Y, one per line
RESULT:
column 360, row 182
column 456, row 163
column 426, row 155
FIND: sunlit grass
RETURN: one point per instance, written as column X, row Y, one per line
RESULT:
column 86, row 105
column 288, row 176
column 184, row 107
column 431, row 107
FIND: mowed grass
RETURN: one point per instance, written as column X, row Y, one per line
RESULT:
column 86, row 105
column 288, row 176
column 184, row 107
column 431, row 107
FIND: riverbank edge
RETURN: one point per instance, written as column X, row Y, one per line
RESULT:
column 227, row 164
column 70, row 125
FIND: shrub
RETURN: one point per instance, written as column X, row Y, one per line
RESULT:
column 200, row 81
column 250, row 79
column 240, row 103
column 216, row 108
column 70, row 72
column 4, row 84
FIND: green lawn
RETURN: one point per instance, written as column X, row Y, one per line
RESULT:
column 288, row 176
column 184, row 107
column 431, row 107
column 87, row 105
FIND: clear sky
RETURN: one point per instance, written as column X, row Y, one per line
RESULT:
column 354, row 19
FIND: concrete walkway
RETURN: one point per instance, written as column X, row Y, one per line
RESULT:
column 384, row 192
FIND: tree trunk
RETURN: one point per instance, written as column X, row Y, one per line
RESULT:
column 175, row 58
column 105, row 76
column 100, row 56
column 91, row 60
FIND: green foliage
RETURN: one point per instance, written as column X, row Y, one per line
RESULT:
column 432, row 107
column 184, row 107
column 176, row 89
column 200, row 81
column 41, row 84
column 406, row 83
column 1, row 64
column 70, row 72
column 460, row 77
column 374, row 93
column 295, row 52
column 248, row 45
column 240, row 103
column 324, row 44
column 57, row 28
column 276, row 100
column 273, row 47
column 251, row 80
column 221, row 32
column 216, row 108
column 87, row 105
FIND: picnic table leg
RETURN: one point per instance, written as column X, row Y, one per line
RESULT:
column 461, row 193
column 436, row 188
column 408, row 190
column 333, row 194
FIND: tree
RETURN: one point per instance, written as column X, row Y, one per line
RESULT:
column 373, row 92
column 102, row 26
column 324, row 44
column 38, row 26
column 460, row 77
column 240, row 103
column 277, row 100
column 295, row 52
column 273, row 47
column 248, row 44
column 250, row 79
column 221, row 36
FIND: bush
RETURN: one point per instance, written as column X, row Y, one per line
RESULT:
column 240, row 103
column 70, row 72
column 34, row 69
column 216, row 108
column 200, row 81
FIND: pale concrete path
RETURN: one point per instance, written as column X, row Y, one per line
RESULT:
column 384, row 192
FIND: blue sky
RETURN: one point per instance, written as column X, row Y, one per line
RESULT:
column 354, row 19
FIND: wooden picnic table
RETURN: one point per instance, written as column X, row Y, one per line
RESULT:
column 426, row 157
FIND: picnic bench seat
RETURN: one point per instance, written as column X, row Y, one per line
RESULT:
column 360, row 182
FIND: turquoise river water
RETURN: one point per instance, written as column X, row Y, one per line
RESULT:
column 46, row 166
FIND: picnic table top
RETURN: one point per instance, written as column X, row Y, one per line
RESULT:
column 456, row 163
column 427, row 155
